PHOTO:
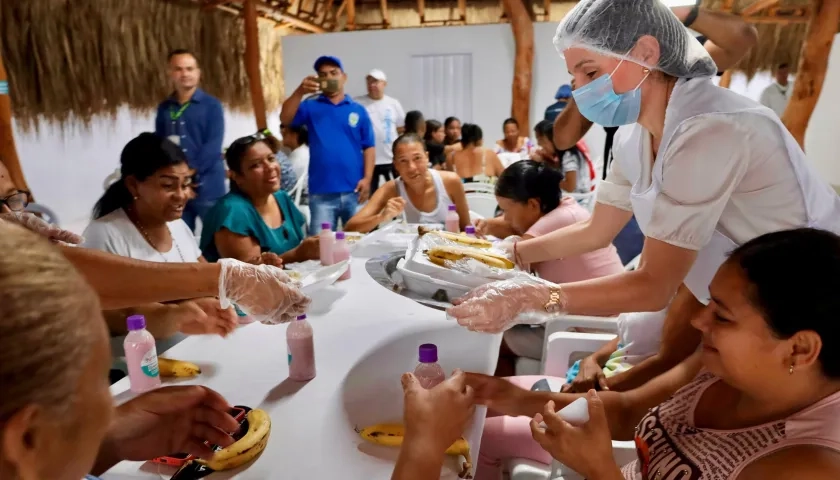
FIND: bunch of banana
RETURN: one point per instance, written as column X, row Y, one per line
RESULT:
column 455, row 237
column 439, row 255
column 177, row 368
column 391, row 435
column 246, row 448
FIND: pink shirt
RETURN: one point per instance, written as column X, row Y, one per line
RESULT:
column 599, row 263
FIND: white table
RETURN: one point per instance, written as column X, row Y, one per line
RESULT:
column 365, row 338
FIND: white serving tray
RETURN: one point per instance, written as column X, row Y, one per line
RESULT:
column 417, row 262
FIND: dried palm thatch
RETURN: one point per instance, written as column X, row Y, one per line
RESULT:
column 69, row 61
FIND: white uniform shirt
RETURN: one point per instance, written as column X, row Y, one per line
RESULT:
column 776, row 97
column 387, row 115
column 728, row 171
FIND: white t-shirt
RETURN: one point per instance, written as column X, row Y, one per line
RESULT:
column 776, row 97
column 387, row 115
column 299, row 158
column 574, row 162
column 116, row 233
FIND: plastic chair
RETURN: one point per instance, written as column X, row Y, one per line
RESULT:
column 297, row 190
column 483, row 204
column 111, row 179
column 479, row 187
column 46, row 213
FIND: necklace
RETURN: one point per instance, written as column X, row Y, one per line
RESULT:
column 153, row 245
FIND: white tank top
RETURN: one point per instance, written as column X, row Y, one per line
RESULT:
column 438, row 215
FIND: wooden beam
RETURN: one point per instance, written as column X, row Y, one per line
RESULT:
column 813, row 63
column 383, row 7
column 252, row 62
column 462, row 10
column 421, row 9
column 547, row 9
column 757, row 6
column 726, row 79
column 523, row 62
column 211, row 4
column 8, row 151
column 351, row 14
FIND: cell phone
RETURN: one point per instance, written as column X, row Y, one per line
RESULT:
column 179, row 459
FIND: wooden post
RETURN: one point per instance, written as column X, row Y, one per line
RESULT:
column 523, row 63
column 252, row 63
column 8, row 152
column 813, row 63
column 351, row 15
column 726, row 78
column 383, row 6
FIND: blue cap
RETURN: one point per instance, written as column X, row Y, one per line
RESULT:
column 565, row 91
column 328, row 59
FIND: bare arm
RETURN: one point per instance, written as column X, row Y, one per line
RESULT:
column 570, row 126
column 569, row 183
column 500, row 228
column 373, row 213
column 290, row 107
column 728, row 36
column 122, row 282
column 418, row 460
column 455, row 188
column 246, row 249
column 370, row 162
column 582, row 237
column 159, row 321
column 679, row 341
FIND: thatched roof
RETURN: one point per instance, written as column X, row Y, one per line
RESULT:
column 69, row 61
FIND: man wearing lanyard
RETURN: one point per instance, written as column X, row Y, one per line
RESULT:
column 194, row 120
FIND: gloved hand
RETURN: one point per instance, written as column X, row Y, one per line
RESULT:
column 41, row 227
column 264, row 292
column 506, row 246
column 495, row 307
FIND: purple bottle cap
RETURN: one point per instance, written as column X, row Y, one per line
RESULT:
column 136, row 322
column 301, row 317
column 326, row 226
column 452, row 208
column 339, row 235
column 470, row 230
column 428, row 353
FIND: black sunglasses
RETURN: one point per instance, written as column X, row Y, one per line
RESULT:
column 17, row 201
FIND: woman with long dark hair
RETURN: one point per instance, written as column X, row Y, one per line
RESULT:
column 475, row 163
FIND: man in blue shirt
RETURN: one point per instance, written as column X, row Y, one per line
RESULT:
column 341, row 143
column 191, row 118
column 562, row 96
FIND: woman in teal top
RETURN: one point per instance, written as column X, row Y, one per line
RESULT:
column 256, row 216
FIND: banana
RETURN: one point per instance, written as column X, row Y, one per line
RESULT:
column 177, row 368
column 392, row 434
column 438, row 254
column 246, row 448
column 456, row 237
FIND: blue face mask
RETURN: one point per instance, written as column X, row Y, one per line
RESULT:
column 598, row 102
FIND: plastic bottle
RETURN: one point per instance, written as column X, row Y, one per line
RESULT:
column 470, row 231
column 428, row 372
column 301, row 350
column 340, row 253
column 141, row 356
column 453, row 221
column 325, row 242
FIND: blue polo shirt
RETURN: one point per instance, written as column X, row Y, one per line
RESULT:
column 338, row 134
column 201, row 129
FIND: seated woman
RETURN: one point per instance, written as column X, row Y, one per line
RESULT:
column 424, row 195
column 415, row 123
column 256, row 216
column 572, row 162
column 760, row 400
column 474, row 163
column 512, row 143
column 57, row 417
column 533, row 205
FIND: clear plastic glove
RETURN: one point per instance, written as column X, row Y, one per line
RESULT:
column 264, row 292
column 496, row 307
column 506, row 246
column 41, row 227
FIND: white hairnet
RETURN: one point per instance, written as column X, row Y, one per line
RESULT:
column 612, row 27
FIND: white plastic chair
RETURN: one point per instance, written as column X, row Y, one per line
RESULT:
column 111, row 179
column 479, row 187
column 483, row 204
column 297, row 195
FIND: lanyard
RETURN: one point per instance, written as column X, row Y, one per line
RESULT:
column 176, row 115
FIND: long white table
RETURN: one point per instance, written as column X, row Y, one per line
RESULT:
column 365, row 338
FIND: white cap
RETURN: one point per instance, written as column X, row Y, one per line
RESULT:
column 378, row 74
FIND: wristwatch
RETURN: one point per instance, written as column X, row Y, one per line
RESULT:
column 556, row 300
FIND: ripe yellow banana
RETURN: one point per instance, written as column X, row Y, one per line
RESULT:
column 246, row 448
column 439, row 254
column 177, row 368
column 461, row 238
column 391, row 435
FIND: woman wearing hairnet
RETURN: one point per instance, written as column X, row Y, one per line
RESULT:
column 702, row 168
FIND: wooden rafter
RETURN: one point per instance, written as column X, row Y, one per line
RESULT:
column 757, row 6
column 462, row 10
column 351, row 14
column 268, row 12
column 383, row 7
column 421, row 10
column 252, row 62
column 547, row 9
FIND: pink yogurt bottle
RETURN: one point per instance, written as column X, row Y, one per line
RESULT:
column 141, row 356
column 452, row 223
column 341, row 253
column 325, row 242
column 428, row 372
column 301, row 350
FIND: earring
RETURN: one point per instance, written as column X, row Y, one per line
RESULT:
column 645, row 70
column 790, row 372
